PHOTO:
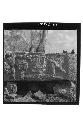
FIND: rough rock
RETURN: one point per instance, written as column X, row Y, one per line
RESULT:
column 40, row 66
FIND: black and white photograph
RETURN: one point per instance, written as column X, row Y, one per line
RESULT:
column 41, row 63
column 41, row 59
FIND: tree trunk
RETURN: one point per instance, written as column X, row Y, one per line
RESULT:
column 41, row 46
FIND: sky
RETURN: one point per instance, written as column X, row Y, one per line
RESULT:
column 59, row 40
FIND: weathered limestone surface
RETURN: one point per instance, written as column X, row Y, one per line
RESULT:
column 40, row 66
